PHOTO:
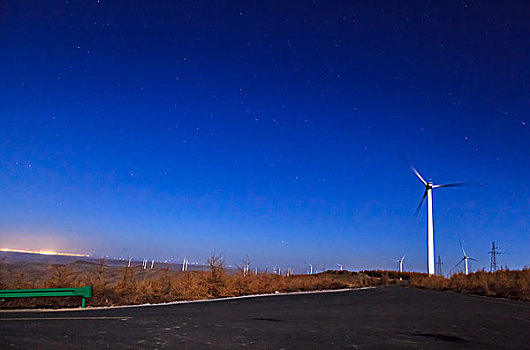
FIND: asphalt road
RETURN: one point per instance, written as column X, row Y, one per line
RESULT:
column 381, row 318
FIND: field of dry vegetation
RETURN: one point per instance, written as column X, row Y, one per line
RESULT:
column 114, row 285
column 122, row 285
column 511, row 284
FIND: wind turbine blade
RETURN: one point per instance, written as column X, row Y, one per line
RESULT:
column 472, row 259
column 462, row 247
column 417, row 173
column 420, row 204
column 458, row 263
column 403, row 258
column 409, row 164
column 456, row 184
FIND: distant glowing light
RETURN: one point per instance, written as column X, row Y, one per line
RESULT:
column 42, row 252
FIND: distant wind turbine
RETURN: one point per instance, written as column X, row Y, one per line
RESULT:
column 340, row 266
column 400, row 261
column 464, row 259
column 310, row 269
column 185, row 264
column 429, row 186
column 246, row 266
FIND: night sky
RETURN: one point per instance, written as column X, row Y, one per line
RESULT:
column 272, row 129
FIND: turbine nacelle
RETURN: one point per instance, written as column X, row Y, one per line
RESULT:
column 400, row 260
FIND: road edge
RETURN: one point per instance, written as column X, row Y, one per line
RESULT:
column 89, row 308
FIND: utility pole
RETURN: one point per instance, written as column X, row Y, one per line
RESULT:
column 439, row 266
column 493, row 261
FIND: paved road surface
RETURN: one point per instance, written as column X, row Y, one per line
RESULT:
column 381, row 318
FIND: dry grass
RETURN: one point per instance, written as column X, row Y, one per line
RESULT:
column 122, row 285
column 511, row 284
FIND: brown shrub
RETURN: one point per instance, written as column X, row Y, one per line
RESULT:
column 190, row 285
column 113, row 285
column 503, row 283
column 216, row 281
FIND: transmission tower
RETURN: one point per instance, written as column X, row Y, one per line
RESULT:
column 439, row 266
column 493, row 261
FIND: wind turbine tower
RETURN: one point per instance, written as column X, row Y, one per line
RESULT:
column 429, row 186
column 185, row 264
column 245, row 269
column 400, row 261
column 310, row 269
column 246, row 266
column 340, row 266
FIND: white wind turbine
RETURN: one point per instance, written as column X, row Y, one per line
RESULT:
column 245, row 269
column 429, row 186
column 246, row 266
column 340, row 266
column 310, row 269
column 400, row 261
column 185, row 264
column 464, row 259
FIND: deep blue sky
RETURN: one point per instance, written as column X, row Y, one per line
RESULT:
column 166, row 129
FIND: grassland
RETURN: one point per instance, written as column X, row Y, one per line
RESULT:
column 123, row 285
column 505, row 283
column 115, row 285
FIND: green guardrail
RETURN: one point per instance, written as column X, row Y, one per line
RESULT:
column 84, row 292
